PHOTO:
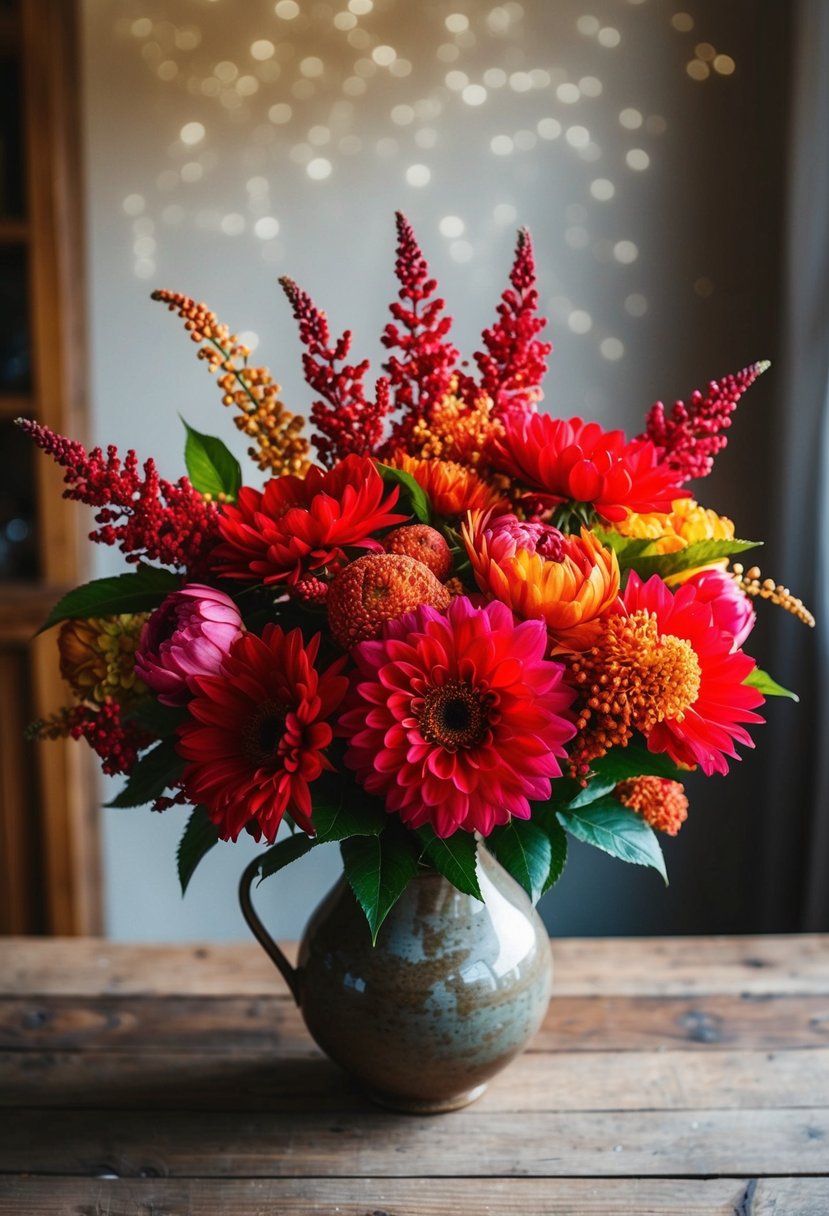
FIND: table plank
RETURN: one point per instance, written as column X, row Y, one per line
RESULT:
column 783, row 964
column 205, row 1025
column 562, row 1081
column 377, row 1143
column 415, row 1197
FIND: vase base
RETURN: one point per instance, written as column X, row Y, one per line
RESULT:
column 423, row 1106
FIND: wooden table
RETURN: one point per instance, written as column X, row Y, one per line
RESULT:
column 671, row 1076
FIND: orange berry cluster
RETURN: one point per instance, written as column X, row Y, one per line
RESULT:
column 752, row 583
column 278, row 444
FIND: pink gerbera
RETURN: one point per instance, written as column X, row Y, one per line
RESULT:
column 574, row 461
column 258, row 730
column 299, row 524
column 458, row 720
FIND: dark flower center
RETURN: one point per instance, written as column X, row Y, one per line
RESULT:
column 264, row 732
column 454, row 716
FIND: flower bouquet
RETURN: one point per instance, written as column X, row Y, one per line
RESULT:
column 469, row 624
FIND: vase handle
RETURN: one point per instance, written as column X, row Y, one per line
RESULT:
column 289, row 973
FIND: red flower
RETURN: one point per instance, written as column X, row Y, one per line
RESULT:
column 257, row 732
column 705, row 730
column 301, row 524
column 458, row 719
column 578, row 462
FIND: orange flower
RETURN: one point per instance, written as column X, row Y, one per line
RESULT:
column 569, row 582
column 661, row 803
column 451, row 488
column 97, row 657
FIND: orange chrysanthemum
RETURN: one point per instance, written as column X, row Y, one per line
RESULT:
column 457, row 430
column 661, row 802
column 569, row 582
column 375, row 589
column 452, row 489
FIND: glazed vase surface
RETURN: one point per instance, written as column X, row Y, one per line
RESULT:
column 451, row 992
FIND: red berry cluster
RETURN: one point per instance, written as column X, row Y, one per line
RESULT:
column 146, row 517
column 115, row 741
column 690, row 436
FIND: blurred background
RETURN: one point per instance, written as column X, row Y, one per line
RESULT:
column 671, row 159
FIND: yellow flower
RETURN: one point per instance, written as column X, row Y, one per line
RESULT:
column 97, row 657
column 687, row 524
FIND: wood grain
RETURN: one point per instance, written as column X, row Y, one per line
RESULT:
column 413, row 1197
column 793, row 964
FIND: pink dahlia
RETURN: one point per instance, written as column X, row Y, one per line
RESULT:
column 300, row 524
column 730, row 606
column 457, row 720
column 705, row 701
column 257, row 732
column 561, row 462
column 187, row 636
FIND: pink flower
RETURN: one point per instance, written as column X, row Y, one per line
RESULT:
column 457, row 720
column 730, row 606
column 187, row 636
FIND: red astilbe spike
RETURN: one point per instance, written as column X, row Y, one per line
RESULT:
column 690, row 436
column 515, row 362
column 423, row 373
column 346, row 421
column 146, row 517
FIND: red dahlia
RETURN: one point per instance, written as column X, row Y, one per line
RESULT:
column 258, row 731
column 296, row 525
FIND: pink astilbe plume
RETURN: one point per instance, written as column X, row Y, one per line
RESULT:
column 690, row 436
column 346, row 421
column 514, row 361
column 146, row 517
column 423, row 373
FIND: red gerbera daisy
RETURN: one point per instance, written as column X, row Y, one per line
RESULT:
column 257, row 732
column 298, row 524
column 458, row 719
column 575, row 461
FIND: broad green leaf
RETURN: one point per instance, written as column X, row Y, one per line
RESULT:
column 454, row 857
column 199, row 837
column 421, row 508
column 336, row 821
column 138, row 591
column 767, row 686
column 558, row 854
column 282, row 854
column 156, row 718
column 701, row 553
column 154, row 772
column 525, row 851
column 625, row 547
column 619, row 764
column 378, row 869
column 211, row 467
column 617, row 830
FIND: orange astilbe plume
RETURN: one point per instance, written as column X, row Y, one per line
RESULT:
column 661, row 802
column 569, row 582
column 278, row 445
column 452, row 489
column 458, row 429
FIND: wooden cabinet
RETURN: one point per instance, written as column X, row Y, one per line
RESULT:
column 49, row 866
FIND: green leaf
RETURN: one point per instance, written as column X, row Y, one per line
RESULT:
column 626, row 548
column 454, row 857
column 334, row 821
column 154, row 772
column 156, row 718
column 282, row 854
column 619, row 764
column 701, row 553
column 199, row 837
column 767, row 686
column 211, row 467
column 617, row 830
column 378, row 869
column 137, row 591
column 558, row 853
column 421, row 508
column 525, row 851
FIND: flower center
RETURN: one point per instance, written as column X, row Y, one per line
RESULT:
column 454, row 716
column 264, row 732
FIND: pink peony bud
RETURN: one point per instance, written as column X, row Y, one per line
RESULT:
column 506, row 534
column 188, row 635
column 730, row 605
